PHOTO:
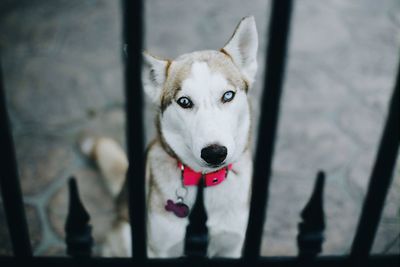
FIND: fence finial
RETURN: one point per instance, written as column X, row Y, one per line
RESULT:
column 311, row 229
column 196, row 241
column 78, row 231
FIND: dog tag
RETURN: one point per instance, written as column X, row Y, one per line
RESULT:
column 180, row 209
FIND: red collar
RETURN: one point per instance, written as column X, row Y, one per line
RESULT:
column 190, row 177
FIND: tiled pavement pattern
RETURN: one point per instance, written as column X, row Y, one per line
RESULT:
column 63, row 74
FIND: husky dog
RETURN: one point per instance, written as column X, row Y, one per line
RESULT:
column 203, row 131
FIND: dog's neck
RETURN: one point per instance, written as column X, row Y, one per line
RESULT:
column 193, row 178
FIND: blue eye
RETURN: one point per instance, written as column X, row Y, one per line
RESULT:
column 228, row 96
column 185, row 102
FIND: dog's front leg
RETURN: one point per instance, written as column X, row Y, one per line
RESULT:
column 228, row 210
column 225, row 244
column 166, row 234
column 227, row 236
column 227, row 221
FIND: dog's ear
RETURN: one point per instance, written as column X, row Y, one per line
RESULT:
column 154, row 74
column 242, row 47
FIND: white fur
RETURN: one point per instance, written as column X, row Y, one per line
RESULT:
column 242, row 47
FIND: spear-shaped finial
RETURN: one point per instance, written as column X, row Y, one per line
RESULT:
column 311, row 229
column 78, row 231
column 196, row 240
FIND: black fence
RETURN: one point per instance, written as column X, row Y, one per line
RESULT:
column 311, row 229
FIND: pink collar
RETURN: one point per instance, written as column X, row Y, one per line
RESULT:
column 190, row 177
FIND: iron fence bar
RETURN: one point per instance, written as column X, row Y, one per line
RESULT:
column 10, row 185
column 380, row 180
column 133, row 37
column 274, row 75
column 324, row 261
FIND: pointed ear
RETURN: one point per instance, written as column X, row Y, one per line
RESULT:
column 154, row 74
column 242, row 47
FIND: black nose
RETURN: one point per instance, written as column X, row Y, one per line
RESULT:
column 214, row 154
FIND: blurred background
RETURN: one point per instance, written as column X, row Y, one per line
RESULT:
column 63, row 73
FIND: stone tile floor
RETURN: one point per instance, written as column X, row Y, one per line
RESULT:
column 63, row 75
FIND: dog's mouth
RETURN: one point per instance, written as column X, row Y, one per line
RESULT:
column 215, row 166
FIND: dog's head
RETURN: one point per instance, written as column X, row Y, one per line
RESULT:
column 204, row 116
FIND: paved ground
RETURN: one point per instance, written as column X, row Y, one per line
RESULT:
column 62, row 65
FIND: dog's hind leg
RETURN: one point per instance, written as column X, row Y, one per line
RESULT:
column 110, row 158
column 113, row 164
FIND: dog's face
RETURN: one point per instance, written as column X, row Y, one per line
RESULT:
column 204, row 112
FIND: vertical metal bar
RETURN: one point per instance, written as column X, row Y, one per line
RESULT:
column 133, row 36
column 10, row 186
column 275, row 68
column 380, row 180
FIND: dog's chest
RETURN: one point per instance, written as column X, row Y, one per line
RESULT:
column 165, row 183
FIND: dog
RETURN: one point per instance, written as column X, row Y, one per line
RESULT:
column 203, row 135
